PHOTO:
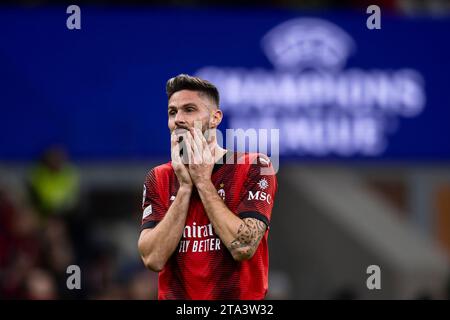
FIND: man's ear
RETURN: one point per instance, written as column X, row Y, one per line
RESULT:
column 216, row 118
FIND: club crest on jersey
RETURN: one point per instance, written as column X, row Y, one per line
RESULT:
column 221, row 192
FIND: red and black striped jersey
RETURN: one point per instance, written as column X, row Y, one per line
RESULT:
column 201, row 267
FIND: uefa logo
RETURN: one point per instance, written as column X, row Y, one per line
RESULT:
column 307, row 43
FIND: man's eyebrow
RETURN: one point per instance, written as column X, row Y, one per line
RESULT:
column 189, row 104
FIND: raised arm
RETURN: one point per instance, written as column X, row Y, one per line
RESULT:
column 157, row 244
column 240, row 236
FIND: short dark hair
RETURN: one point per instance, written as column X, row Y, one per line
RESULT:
column 187, row 82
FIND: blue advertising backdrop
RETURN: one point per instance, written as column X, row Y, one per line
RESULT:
column 333, row 88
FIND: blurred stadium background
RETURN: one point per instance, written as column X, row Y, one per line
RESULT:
column 364, row 176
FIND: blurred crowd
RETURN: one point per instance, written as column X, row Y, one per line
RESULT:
column 44, row 232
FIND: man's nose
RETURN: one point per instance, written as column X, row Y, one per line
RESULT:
column 180, row 120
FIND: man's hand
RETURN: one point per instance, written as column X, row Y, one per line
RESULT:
column 178, row 166
column 202, row 157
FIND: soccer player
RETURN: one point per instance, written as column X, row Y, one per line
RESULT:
column 206, row 213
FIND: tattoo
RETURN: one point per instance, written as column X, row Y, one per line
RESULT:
column 249, row 234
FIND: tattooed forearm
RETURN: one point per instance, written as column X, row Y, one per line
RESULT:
column 249, row 234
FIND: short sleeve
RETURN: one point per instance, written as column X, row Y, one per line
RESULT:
column 259, row 191
column 153, row 207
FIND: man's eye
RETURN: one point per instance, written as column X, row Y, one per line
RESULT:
column 189, row 109
column 172, row 112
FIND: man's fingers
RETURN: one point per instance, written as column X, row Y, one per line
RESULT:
column 177, row 147
column 212, row 139
column 196, row 149
column 189, row 148
column 196, row 141
column 197, row 134
column 201, row 140
column 176, row 154
column 206, row 152
column 197, row 154
column 173, row 139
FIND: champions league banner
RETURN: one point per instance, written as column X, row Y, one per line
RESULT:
column 326, row 84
